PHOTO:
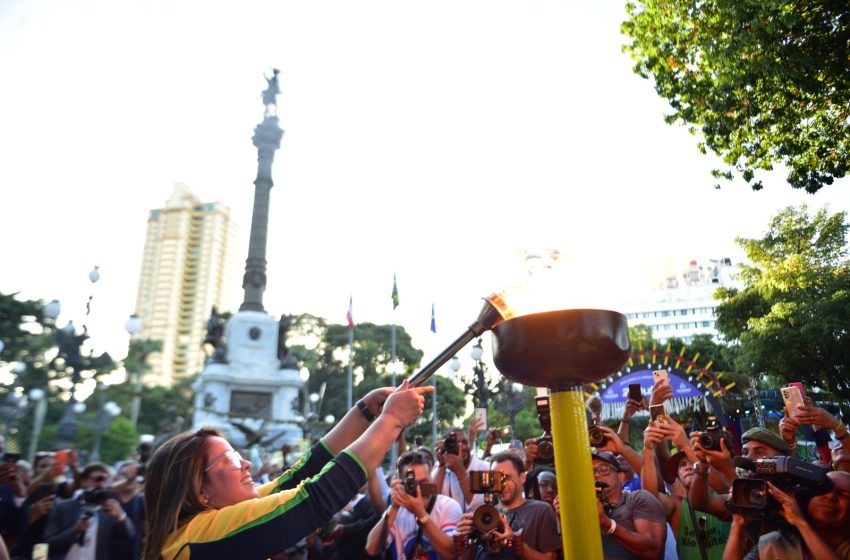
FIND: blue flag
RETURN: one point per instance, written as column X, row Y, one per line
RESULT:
column 433, row 320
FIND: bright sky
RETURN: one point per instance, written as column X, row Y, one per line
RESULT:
column 430, row 139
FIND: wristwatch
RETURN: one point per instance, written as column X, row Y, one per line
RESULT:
column 423, row 520
column 698, row 470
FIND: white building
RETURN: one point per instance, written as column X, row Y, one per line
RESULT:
column 682, row 305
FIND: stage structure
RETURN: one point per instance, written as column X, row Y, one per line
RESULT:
column 250, row 381
column 694, row 385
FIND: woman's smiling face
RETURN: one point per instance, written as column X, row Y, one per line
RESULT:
column 227, row 478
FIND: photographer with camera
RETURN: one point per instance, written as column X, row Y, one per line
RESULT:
column 790, row 509
column 633, row 524
column 455, row 460
column 91, row 526
column 715, row 469
column 419, row 521
column 527, row 529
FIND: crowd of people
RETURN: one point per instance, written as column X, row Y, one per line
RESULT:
column 682, row 494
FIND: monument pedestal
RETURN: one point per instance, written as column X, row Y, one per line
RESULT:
column 250, row 398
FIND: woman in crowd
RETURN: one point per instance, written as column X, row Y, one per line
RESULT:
column 201, row 501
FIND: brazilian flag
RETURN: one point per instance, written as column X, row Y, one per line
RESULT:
column 395, row 293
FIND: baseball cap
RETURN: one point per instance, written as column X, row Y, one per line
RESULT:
column 608, row 457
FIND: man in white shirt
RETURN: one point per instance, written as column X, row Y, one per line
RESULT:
column 415, row 526
column 452, row 474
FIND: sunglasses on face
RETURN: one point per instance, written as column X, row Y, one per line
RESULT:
column 230, row 457
column 99, row 478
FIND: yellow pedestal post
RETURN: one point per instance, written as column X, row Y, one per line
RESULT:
column 579, row 518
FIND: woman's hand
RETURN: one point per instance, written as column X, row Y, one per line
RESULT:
column 790, row 508
column 661, row 391
column 376, row 398
column 815, row 415
column 405, row 403
column 652, row 436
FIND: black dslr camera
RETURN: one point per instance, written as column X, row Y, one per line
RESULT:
column 486, row 518
column 545, row 449
column 450, row 446
column 793, row 476
column 602, row 496
column 411, row 484
column 713, row 434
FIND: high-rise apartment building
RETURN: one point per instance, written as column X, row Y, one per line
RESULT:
column 187, row 269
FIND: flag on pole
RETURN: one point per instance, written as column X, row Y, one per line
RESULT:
column 395, row 293
column 350, row 314
column 433, row 320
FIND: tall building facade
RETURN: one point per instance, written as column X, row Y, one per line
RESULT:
column 683, row 304
column 187, row 268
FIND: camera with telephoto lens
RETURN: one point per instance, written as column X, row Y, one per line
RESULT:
column 96, row 496
column 597, row 436
column 411, row 484
column 713, row 434
column 545, row 449
column 450, row 446
column 793, row 476
column 486, row 518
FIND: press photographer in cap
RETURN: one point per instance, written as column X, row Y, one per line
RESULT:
column 522, row 529
column 633, row 524
column 715, row 465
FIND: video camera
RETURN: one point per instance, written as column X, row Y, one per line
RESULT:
column 486, row 517
column 713, row 434
column 411, row 484
column 545, row 449
column 790, row 475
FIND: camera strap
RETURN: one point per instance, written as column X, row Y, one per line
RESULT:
column 416, row 541
column 698, row 532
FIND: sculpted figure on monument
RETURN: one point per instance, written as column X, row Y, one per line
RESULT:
column 287, row 360
column 270, row 94
column 215, row 337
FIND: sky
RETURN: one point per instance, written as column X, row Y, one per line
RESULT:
column 436, row 141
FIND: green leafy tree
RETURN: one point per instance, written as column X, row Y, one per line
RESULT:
column 790, row 319
column 323, row 349
column 762, row 81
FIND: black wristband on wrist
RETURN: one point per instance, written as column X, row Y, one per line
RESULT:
column 364, row 410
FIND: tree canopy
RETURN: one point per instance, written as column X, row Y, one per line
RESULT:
column 791, row 318
column 763, row 82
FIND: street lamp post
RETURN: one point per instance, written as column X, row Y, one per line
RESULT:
column 106, row 413
column 133, row 326
column 479, row 369
column 39, row 397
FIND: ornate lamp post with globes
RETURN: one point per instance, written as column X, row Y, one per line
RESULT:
column 133, row 327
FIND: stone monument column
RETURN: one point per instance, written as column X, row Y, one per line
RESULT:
column 267, row 137
column 249, row 384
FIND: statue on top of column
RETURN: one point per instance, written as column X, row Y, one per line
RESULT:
column 270, row 95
